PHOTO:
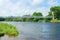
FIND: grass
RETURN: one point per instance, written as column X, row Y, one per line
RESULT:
column 8, row 29
column 55, row 20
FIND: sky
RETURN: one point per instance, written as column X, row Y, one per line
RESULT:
column 26, row 7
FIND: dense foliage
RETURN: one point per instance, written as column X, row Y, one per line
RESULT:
column 26, row 18
column 56, row 10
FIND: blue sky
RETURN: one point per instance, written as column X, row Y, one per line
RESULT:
column 26, row 7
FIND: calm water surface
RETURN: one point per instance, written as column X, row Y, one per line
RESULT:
column 36, row 31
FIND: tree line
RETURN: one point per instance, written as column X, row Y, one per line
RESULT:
column 54, row 12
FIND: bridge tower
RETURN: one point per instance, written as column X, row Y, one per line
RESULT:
column 53, row 15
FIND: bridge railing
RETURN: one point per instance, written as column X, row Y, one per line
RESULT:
column 36, row 17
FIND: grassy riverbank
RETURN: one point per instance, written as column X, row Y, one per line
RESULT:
column 8, row 29
column 55, row 20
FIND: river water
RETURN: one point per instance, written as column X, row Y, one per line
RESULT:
column 36, row 31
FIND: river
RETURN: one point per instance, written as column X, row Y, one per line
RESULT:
column 36, row 31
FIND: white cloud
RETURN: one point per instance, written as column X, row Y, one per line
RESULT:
column 8, row 8
column 52, row 2
column 1, row 0
column 43, row 10
column 36, row 2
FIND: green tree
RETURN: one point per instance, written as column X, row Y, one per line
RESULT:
column 56, row 10
column 27, row 18
column 9, row 18
column 37, row 14
column 2, row 19
column 17, row 19
column 47, row 18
